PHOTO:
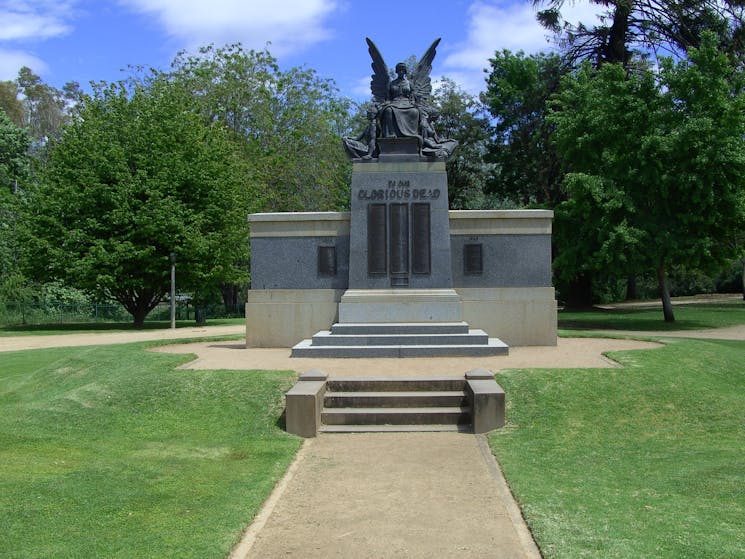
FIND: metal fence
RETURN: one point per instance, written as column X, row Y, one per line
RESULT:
column 12, row 313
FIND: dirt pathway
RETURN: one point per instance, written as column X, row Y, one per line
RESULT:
column 402, row 495
column 15, row 343
column 569, row 353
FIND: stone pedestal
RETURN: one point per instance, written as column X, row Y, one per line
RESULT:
column 400, row 235
column 399, row 305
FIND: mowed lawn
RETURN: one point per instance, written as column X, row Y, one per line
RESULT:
column 110, row 451
column 694, row 316
column 645, row 461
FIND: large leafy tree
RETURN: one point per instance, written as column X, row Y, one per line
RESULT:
column 287, row 125
column 657, row 167
column 527, row 168
column 136, row 176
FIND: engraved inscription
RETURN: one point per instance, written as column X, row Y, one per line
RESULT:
column 383, row 194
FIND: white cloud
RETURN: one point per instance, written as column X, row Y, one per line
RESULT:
column 29, row 21
column 289, row 25
column 361, row 88
column 12, row 60
column 576, row 12
column 494, row 25
column 34, row 19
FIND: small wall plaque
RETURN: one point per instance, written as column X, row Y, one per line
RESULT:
column 327, row 260
column 473, row 259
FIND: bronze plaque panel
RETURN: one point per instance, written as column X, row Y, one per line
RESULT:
column 420, row 239
column 376, row 239
column 399, row 238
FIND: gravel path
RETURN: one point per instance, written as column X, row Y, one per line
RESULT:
column 569, row 353
column 385, row 495
column 15, row 343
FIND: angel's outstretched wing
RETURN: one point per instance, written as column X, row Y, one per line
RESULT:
column 380, row 78
column 421, row 82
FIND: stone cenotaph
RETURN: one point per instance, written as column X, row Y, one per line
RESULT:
column 401, row 275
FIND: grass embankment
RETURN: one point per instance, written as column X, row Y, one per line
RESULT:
column 109, row 452
column 644, row 461
column 687, row 317
column 51, row 328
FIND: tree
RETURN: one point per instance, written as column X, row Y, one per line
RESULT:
column 461, row 117
column 13, row 168
column 657, row 167
column 632, row 28
column 289, row 124
column 527, row 168
column 14, row 143
column 137, row 176
column 45, row 108
column 9, row 102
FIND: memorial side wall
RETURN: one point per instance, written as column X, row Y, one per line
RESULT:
column 500, row 267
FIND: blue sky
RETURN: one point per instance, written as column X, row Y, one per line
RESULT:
column 85, row 40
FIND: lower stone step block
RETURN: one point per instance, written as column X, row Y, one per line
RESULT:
column 396, row 416
column 396, row 399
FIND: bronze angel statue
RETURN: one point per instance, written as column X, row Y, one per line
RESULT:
column 401, row 108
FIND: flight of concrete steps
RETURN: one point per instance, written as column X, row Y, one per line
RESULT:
column 397, row 339
column 356, row 405
column 316, row 403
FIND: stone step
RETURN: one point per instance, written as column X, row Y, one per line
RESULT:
column 396, row 399
column 494, row 346
column 396, row 416
column 327, row 338
column 457, row 428
column 391, row 328
column 384, row 384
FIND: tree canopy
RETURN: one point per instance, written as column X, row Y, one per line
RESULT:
column 13, row 169
column 137, row 176
column 518, row 87
column 657, row 166
column 287, row 122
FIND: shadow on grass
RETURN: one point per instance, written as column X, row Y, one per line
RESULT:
column 688, row 317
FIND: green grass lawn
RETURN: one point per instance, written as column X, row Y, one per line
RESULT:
column 93, row 327
column 687, row 317
column 643, row 461
column 110, row 452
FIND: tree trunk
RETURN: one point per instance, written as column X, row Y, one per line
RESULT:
column 230, row 296
column 667, row 305
column 615, row 50
column 631, row 288
column 579, row 292
column 139, row 304
column 743, row 279
column 139, row 318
